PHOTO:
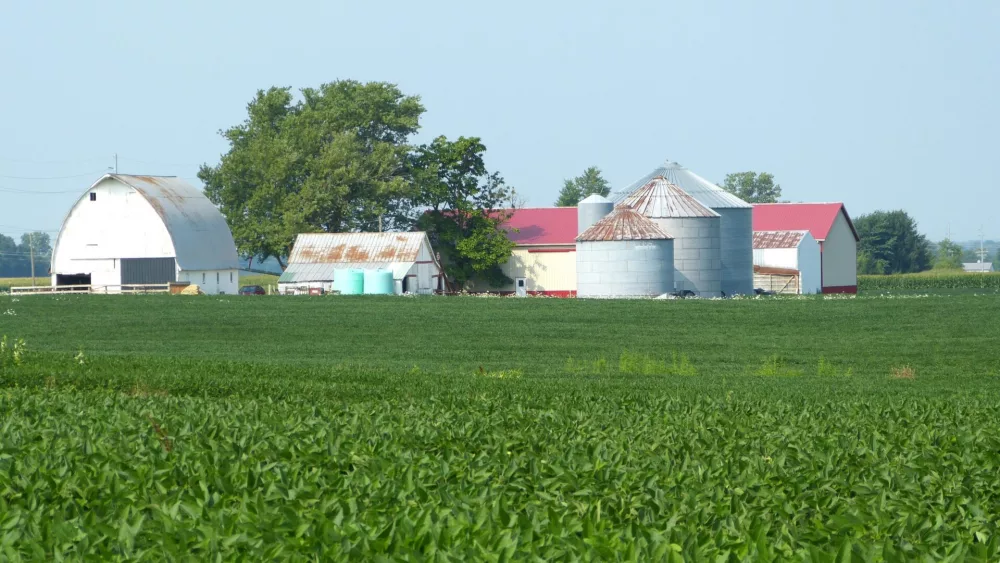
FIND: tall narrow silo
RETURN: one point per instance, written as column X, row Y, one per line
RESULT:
column 695, row 228
column 591, row 210
column 624, row 255
column 735, row 225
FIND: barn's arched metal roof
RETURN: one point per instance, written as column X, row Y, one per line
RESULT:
column 707, row 193
column 202, row 239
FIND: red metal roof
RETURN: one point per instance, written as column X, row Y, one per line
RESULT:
column 543, row 225
column 817, row 218
column 624, row 223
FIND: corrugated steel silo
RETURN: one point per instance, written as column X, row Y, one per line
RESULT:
column 735, row 225
column 624, row 255
column 591, row 210
column 695, row 229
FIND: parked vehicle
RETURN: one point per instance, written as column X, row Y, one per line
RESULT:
column 252, row 290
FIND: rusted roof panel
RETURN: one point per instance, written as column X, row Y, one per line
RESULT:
column 339, row 248
column 624, row 223
column 775, row 271
column 777, row 239
column 202, row 239
column 705, row 192
column 301, row 273
column 659, row 199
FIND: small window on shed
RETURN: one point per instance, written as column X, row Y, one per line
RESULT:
column 203, row 277
column 93, row 196
column 230, row 277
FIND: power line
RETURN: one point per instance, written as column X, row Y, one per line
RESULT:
column 53, row 177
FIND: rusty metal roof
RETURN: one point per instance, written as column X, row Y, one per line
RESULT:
column 707, row 193
column 624, row 223
column 661, row 199
column 333, row 248
column 202, row 239
column 777, row 239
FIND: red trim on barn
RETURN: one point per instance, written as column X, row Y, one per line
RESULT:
column 537, row 250
column 834, row 289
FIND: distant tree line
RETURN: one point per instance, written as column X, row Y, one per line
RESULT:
column 15, row 259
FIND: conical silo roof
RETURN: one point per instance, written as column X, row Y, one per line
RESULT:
column 707, row 193
column 595, row 198
column 660, row 199
column 624, row 223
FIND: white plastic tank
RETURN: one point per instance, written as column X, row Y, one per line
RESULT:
column 624, row 255
column 694, row 228
column 735, row 222
column 591, row 210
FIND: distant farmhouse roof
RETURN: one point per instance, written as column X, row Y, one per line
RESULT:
column 817, row 218
column 978, row 266
column 315, row 256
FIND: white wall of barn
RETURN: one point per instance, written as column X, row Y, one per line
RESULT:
column 545, row 269
column 118, row 223
column 805, row 258
column 212, row 282
column 840, row 255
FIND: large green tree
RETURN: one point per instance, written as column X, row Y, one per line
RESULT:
column 752, row 187
column 891, row 244
column 333, row 161
column 579, row 188
column 463, row 208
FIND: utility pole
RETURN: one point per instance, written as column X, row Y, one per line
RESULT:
column 380, row 223
column 982, row 247
column 31, row 247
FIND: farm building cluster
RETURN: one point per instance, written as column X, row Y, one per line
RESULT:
column 671, row 232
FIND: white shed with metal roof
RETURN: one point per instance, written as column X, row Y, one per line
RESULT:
column 796, row 251
column 316, row 257
column 131, row 230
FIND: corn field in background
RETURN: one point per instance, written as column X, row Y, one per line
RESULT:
column 930, row 281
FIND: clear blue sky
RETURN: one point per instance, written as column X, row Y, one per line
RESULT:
column 881, row 105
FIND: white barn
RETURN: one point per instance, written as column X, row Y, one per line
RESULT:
column 316, row 257
column 135, row 230
column 796, row 251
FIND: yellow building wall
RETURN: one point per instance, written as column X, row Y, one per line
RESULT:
column 543, row 269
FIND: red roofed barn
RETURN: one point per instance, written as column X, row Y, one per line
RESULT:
column 829, row 224
column 544, row 258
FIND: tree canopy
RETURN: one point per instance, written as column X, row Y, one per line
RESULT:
column 340, row 160
column 752, row 187
column 891, row 244
column 579, row 188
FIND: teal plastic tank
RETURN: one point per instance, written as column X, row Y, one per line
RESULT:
column 378, row 282
column 349, row 282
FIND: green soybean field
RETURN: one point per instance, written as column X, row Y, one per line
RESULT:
column 499, row 429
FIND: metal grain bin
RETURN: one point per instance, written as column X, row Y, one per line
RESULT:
column 735, row 222
column 591, row 210
column 378, row 282
column 694, row 228
column 624, row 255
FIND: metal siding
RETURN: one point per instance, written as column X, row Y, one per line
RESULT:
column 201, row 238
column 810, row 265
column 840, row 259
column 591, row 210
column 148, row 270
column 625, row 268
column 700, row 269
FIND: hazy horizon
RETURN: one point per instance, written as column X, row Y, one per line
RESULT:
column 880, row 106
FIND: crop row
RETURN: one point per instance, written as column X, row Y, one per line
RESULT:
column 929, row 281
